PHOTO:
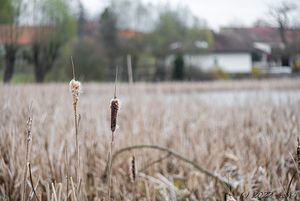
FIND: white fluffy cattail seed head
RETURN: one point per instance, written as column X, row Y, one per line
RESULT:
column 75, row 88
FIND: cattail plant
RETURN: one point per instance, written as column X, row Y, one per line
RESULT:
column 133, row 173
column 114, row 106
column 132, row 169
column 75, row 88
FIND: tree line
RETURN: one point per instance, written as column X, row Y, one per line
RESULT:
column 126, row 29
column 48, row 24
column 97, row 45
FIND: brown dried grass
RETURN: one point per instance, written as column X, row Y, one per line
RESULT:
column 248, row 142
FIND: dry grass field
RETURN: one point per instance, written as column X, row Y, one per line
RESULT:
column 243, row 133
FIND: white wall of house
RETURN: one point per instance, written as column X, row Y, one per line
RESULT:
column 229, row 62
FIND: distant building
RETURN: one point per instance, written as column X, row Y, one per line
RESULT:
column 226, row 53
column 129, row 34
column 238, row 50
column 269, row 49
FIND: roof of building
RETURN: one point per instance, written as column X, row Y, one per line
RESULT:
column 23, row 35
column 228, row 43
column 268, row 35
column 244, row 39
column 129, row 34
column 222, row 43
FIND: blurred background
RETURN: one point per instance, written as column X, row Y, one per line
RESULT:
column 148, row 40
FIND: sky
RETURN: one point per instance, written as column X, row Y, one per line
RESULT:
column 217, row 13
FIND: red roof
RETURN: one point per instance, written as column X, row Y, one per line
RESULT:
column 23, row 35
column 128, row 34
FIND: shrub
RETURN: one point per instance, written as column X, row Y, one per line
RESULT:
column 219, row 73
column 255, row 72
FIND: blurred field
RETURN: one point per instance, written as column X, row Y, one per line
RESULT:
column 245, row 131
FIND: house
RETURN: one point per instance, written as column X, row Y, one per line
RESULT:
column 269, row 48
column 238, row 50
column 226, row 53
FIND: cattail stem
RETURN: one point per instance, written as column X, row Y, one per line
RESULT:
column 75, row 88
column 73, row 68
column 67, row 172
column 116, row 79
column 113, row 125
column 76, row 143
column 114, row 106
column 110, row 164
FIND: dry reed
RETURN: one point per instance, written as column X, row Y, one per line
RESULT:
column 228, row 138
column 27, row 153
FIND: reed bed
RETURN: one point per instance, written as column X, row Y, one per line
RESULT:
column 251, row 141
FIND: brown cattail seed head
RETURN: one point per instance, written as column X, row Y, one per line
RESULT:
column 114, row 106
column 75, row 88
column 132, row 169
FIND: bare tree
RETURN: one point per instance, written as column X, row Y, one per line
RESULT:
column 280, row 16
column 9, row 18
column 55, row 28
